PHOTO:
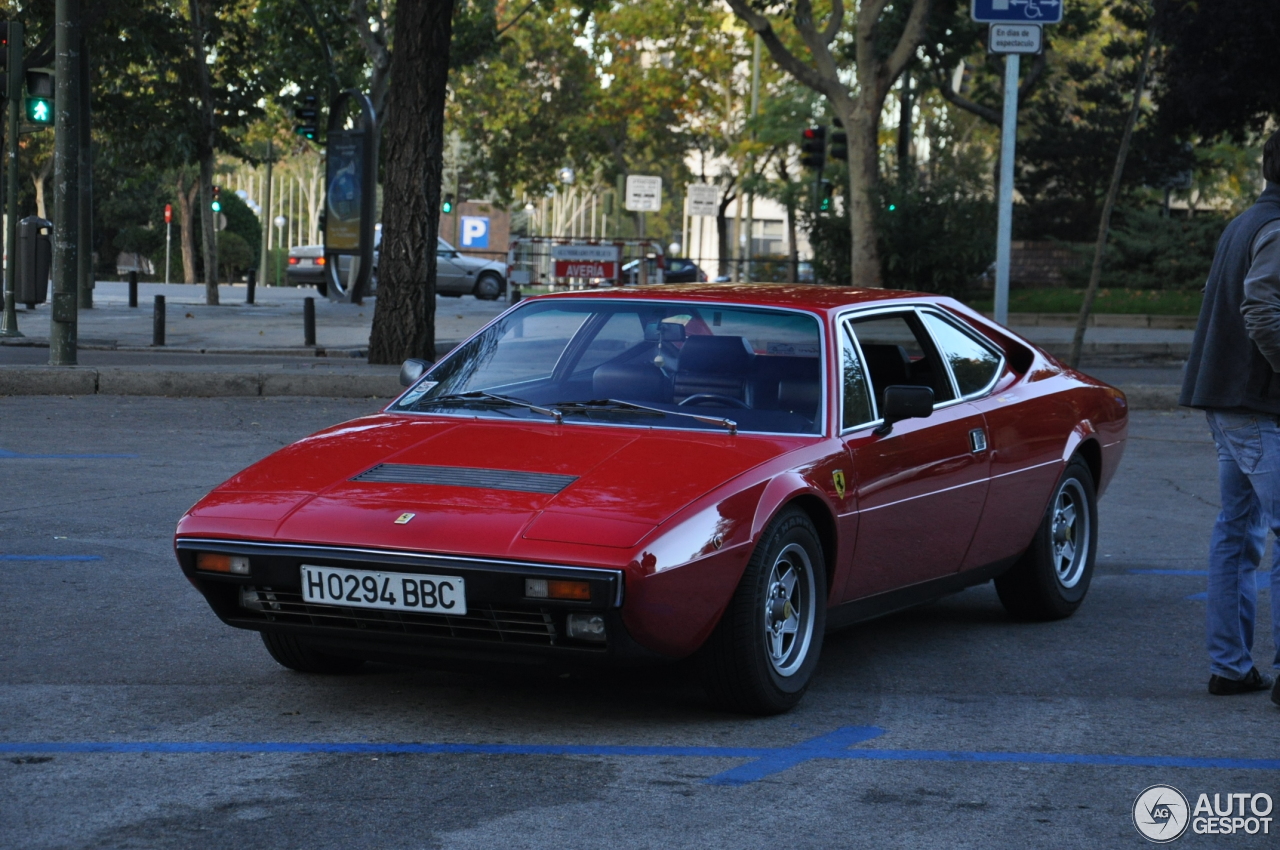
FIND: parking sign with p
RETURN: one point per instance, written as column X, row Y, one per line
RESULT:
column 475, row 231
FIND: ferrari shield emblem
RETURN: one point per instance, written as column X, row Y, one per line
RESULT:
column 837, row 478
column 404, row 518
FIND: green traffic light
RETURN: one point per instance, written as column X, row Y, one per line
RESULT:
column 217, row 206
column 39, row 110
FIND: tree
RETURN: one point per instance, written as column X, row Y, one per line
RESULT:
column 857, row 102
column 1219, row 73
column 404, row 318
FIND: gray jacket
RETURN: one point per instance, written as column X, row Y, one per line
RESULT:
column 1235, row 354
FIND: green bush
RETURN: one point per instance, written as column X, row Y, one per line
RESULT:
column 933, row 237
column 1148, row 251
column 234, row 255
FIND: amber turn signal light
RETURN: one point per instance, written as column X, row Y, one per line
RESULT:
column 216, row 562
column 541, row 588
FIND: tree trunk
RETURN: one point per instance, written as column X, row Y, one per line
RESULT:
column 404, row 319
column 186, row 225
column 863, row 128
column 40, row 179
column 722, row 235
column 205, row 152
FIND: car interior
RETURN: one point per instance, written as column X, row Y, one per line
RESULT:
column 898, row 352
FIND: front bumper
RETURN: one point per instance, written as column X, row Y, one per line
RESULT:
column 501, row 623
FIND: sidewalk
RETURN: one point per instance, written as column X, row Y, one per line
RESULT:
column 238, row 349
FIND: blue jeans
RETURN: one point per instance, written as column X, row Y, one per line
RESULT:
column 1249, row 481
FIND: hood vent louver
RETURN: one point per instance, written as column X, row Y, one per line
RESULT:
column 461, row 476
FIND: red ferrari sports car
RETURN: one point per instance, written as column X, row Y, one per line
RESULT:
column 641, row 474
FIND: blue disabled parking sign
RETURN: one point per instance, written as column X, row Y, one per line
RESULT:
column 1017, row 11
column 475, row 231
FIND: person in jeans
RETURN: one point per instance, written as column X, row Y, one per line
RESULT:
column 1233, row 374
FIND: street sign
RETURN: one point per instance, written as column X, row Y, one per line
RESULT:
column 702, row 199
column 1015, row 38
column 168, row 213
column 599, row 261
column 1017, row 11
column 644, row 194
column 475, row 231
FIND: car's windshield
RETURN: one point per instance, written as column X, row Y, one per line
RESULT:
column 647, row 363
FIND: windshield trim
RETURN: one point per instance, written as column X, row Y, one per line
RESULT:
column 824, row 407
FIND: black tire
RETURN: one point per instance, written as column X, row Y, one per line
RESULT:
column 1051, row 579
column 298, row 654
column 488, row 287
column 746, row 666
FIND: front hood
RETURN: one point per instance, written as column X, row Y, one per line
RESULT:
column 476, row 486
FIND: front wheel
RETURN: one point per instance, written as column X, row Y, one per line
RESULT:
column 1050, row 581
column 299, row 654
column 762, row 654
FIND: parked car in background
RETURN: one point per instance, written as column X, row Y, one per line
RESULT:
column 648, row 474
column 676, row 270
column 457, row 274
column 308, row 267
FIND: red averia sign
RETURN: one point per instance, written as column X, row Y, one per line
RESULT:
column 580, row 268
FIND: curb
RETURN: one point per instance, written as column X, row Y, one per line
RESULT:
column 1062, row 350
column 195, row 382
column 1152, row 396
column 1101, row 320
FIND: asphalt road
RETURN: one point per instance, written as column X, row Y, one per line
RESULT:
column 947, row 726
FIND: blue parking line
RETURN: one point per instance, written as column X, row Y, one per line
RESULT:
column 5, row 454
column 1169, row 572
column 50, row 557
column 763, row 761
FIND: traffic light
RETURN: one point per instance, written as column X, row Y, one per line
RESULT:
column 308, row 116
column 839, row 143
column 813, row 147
column 828, row 188
column 447, row 206
column 38, row 104
column 216, row 206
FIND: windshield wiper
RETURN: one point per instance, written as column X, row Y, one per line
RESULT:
column 489, row 398
column 615, row 404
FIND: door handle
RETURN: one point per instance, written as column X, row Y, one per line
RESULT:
column 978, row 440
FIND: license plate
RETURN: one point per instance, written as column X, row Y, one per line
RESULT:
column 388, row 591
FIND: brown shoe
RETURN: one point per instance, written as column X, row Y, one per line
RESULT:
column 1221, row 686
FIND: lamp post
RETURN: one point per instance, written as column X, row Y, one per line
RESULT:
column 279, row 221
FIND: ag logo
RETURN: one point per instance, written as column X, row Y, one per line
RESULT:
column 1160, row 814
column 837, row 478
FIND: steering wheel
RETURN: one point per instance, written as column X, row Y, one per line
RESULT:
column 703, row 398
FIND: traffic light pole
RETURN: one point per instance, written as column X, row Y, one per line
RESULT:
column 14, row 60
column 66, row 185
column 85, row 265
column 1004, row 223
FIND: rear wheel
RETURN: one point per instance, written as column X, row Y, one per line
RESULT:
column 762, row 654
column 299, row 654
column 1050, row 581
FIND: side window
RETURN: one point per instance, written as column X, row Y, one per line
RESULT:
column 619, row 333
column 973, row 364
column 897, row 352
column 856, row 391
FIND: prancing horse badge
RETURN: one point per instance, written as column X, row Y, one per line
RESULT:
column 404, row 518
column 837, row 478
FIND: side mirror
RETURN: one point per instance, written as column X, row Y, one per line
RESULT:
column 904, row 402
column 413, row 369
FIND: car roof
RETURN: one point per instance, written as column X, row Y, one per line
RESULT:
column 801, row 296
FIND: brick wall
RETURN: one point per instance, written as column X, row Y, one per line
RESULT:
column 1041, row 264
column 499, row 228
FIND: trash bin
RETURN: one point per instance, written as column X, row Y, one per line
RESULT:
column 35, row 256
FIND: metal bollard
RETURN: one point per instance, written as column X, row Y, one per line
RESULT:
column 157, row 322
column 133, row 288
column 515, row 294
column 309, row 321
column 253, row 284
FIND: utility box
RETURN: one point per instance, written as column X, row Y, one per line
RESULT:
column 35, row 256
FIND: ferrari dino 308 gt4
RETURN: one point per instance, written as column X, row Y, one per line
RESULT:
column 652, row 473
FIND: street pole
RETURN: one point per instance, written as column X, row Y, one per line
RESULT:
column 266, row 218
column 9, row 328
column 1004, row 224
column 66, row 184
column 751, row 197
column 168, row 238
column 85, row 249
